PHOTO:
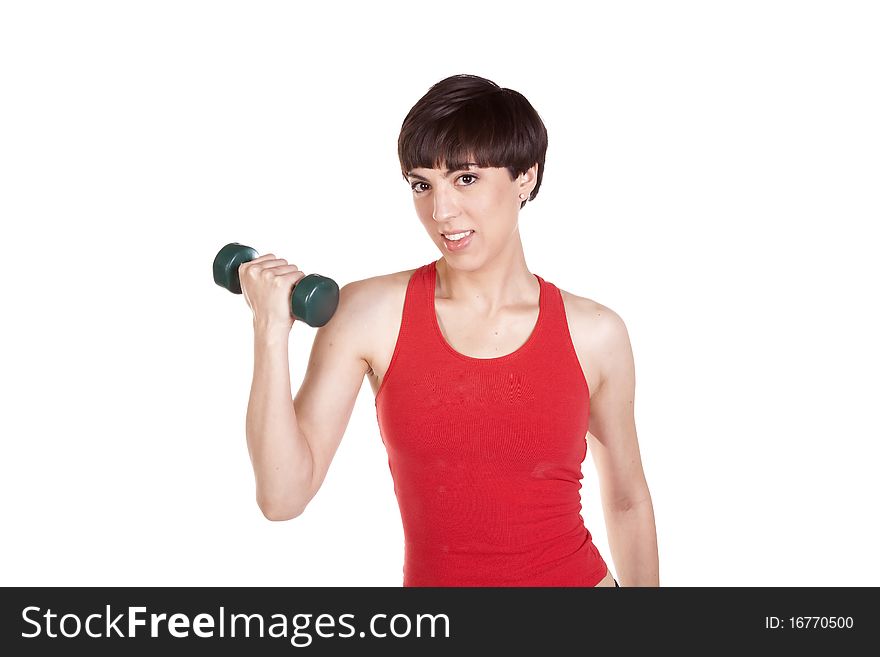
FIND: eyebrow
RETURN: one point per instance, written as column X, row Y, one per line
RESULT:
column 447, row 173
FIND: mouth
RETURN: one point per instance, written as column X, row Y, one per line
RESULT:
column 459, row 244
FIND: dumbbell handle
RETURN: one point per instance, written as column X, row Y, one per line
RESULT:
column 314, row 298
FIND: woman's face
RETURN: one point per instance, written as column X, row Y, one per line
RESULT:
column 483, row 200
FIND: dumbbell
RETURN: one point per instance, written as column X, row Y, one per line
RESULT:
column 314, row 297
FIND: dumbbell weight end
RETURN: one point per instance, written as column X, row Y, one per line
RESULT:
column 227, row 262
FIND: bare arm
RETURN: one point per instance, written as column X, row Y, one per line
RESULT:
column 279, row 452
column 292, row 441
column 626, row 500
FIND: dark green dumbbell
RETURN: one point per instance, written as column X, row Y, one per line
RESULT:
column 314, row 297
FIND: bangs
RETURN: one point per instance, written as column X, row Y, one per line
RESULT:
column 477, row 133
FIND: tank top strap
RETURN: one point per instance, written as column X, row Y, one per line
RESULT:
column 553, row 322
column 420, row 304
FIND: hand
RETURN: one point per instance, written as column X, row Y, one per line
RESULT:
column 267, row 283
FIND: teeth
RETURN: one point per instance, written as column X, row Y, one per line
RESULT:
column 458, row 236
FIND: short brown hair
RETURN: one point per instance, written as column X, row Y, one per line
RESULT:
column 466, row 118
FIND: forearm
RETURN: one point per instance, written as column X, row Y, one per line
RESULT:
column 632, row 537
column 279, row 453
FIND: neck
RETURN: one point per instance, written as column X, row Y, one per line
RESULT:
column 494, row 286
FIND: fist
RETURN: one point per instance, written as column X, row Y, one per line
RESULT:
column 267, row 283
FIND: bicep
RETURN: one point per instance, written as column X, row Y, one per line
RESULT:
column 612, row 437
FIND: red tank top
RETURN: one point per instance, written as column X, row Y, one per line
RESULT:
column 485, row 453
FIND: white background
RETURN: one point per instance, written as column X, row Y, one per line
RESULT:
column 712, row 176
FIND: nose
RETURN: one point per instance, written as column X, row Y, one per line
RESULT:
column 445, row 206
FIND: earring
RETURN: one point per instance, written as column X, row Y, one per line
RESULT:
column 522, row 196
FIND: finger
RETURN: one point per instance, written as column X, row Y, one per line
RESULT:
column 260, row 260
column 282, row 270
column 255, row 269
column 265, row 256
column 287, row 280
column 269, row 264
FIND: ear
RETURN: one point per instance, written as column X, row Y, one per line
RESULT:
column 528, row 180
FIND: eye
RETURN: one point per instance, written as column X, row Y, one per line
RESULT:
column 415, row 186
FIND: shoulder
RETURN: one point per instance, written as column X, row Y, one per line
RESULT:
column 591, row 318
column 599, row 333
column 377, row 292
column 371, row 305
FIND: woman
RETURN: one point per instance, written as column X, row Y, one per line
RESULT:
column 487, row 377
